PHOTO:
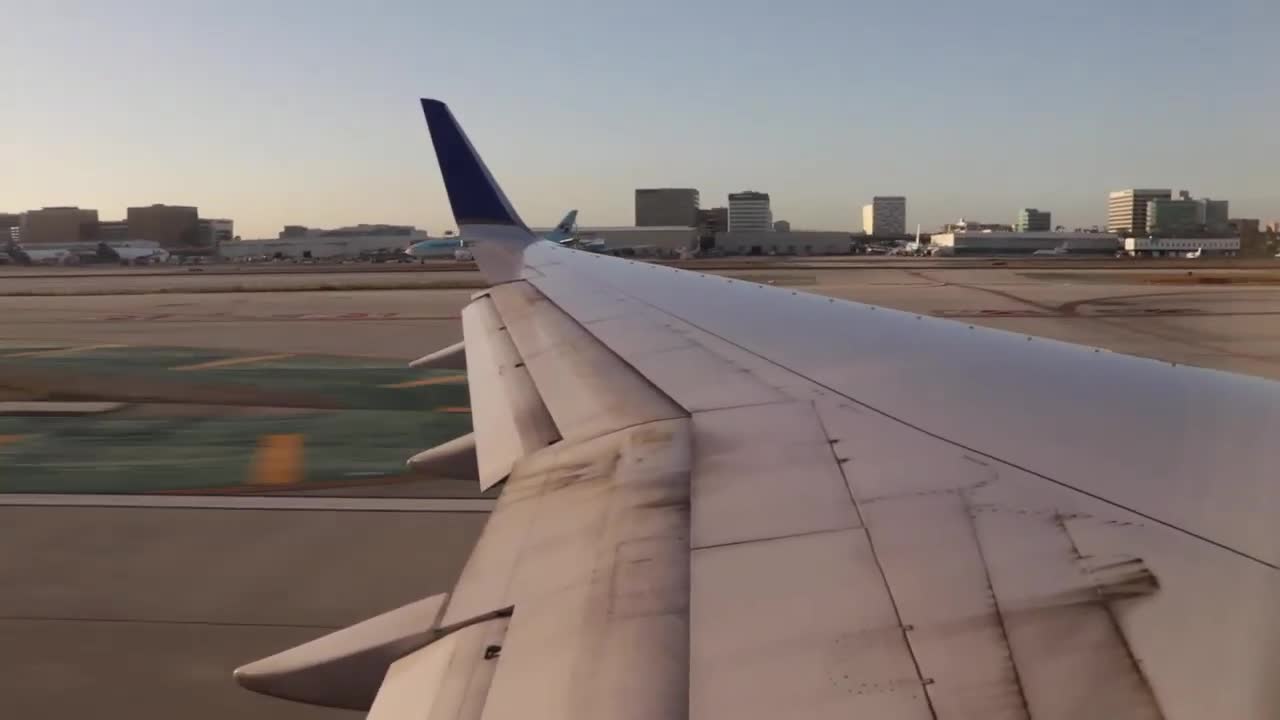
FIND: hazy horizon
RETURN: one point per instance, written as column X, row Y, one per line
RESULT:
column 305, row 113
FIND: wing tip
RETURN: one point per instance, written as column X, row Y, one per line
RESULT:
column 474, row 195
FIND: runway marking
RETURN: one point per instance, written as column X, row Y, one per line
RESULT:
column 57, row 352
column 448, row 380
column 278, row 460
column 231, row 362
column 241, row 502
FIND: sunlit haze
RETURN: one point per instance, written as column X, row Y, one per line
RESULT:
column 306, row 112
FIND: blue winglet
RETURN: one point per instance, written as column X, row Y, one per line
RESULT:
column 474, row 195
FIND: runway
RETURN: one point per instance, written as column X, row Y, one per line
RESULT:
column 142, row 588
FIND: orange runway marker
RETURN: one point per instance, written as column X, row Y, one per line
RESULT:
column 278, row 460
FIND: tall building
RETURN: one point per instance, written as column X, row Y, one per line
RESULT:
column 173, row 226
column 1172, row 216
column 667, row 207
column 1033, row 220
column 1215, row 215
column 1127, row 209
column 58, row 225
column 1187, row 216
column 885, row 216
column 781, row 226
column 713, row 220
column 749, row 210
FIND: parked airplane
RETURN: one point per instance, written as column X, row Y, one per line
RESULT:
column 1194, row 254
column 731, row 500
column 564, row 229
column 1055, row 252
column 40, row 256
column 435, row 247
column 134, row 253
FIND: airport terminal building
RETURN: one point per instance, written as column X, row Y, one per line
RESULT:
column 660, row 240
column 791, row 242
column 1156, row 247
column 297, row 243
column 1026, row 243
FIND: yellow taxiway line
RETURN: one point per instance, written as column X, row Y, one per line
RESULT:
column 55, row 352
column 230, row 362
column 447, row 380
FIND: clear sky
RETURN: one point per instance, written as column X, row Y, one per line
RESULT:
column 305, row 111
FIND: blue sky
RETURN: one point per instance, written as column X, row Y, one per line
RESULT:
column 306, row 111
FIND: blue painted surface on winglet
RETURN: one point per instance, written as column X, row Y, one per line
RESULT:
column 474, row 195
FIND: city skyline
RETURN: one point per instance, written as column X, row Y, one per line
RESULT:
column 278, row 122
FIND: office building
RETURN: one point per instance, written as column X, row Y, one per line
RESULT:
column 781, row 226
column 712, row 220
column 749, row 210
column 1187, row 216
column 1127, row 209
column 1033, row 220
column 173, row 226
column 886, row 216
column 58, row 225
column 1173, row 216
column 214, row 231
column 1249, row 230
column 9, row 226
column 667, row 207
column 1215, row 216
column 113, row 230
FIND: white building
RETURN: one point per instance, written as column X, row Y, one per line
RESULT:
column 792, row 242
column 1180, row 246
column 1127, row 209
column 1023, row 243
column 749, row 211
column 331, row 245
column 885, row 216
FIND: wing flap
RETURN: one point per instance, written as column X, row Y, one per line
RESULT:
column 345, row 668
column 508, row 416
column 446, row 680
column 589, row 546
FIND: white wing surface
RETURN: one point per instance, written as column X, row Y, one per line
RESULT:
column 727, row 500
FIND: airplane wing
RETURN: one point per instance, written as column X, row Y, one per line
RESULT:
column 729, row 500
